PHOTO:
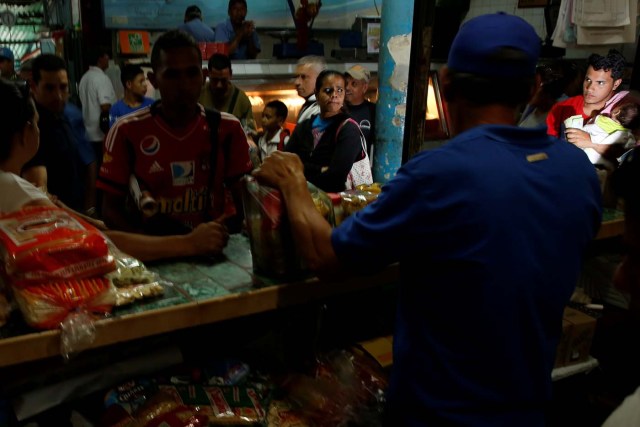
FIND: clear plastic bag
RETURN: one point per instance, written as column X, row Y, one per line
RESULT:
column 132, row 280
column 272, row 247
column 355, row 200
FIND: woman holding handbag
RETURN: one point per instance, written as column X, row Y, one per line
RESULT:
column 330, row 144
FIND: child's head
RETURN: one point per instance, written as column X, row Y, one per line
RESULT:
column 627, row 114
column 274, row 115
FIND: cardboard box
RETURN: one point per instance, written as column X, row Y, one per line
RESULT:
column 578, row 329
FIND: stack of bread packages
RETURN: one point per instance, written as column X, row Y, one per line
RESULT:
column 53, row 267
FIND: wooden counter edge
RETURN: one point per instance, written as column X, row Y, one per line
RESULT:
column 42, row 345
column 611, row 228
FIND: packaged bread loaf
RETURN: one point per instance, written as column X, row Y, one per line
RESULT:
column 46, row 305
column 43, row 244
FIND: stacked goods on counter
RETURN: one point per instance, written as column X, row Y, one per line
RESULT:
column 61, row 271
column 350, row 201
column 54, row 264
column 343, row 387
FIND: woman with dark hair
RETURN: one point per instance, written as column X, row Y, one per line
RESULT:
column 19, row 143
column 328, row 143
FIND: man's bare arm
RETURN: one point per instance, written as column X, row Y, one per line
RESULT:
column 311, row 231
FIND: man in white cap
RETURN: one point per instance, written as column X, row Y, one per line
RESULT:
column 482, row 285
column 7, row 70
column 360, row 108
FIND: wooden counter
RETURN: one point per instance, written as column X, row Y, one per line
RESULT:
column 612, row 224
column 206, row 291
column 203, row 292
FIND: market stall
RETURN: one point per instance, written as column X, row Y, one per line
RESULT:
column 202, row 291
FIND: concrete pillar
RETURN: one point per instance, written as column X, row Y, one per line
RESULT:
column 393, row 79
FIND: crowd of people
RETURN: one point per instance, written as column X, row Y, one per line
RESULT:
column 187, row 150
column 467, row 222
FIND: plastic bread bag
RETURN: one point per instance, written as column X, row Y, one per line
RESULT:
column 355, row 200
column 273, row 250
column 131, row 278
column 72, row 305
column 346, row 387
column 161, row 409
column 224, row 405
column 323, row 203
column 272, row 245
column 42, row 244
column 374, row 188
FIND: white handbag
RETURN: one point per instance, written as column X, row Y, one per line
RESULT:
column 360, row 172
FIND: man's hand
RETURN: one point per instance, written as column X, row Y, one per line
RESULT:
column 246, row 29
column 208, row 238
column 579, row 138
column 280, row 169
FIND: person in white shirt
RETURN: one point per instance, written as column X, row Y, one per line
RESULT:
column 97, row 96
column 616, row 128
column 274, row 135
column 307, row 71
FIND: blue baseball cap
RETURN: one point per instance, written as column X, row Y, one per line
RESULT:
column 480, row 37
column 7, row 53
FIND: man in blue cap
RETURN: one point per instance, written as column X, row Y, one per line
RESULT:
column 489, row 231
column 7, row 70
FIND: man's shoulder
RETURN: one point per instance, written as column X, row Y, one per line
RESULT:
column 117, row 106
column 571, row 101
column 141, row 117
column 243, row 98
column 228, row 120
column 224, row 28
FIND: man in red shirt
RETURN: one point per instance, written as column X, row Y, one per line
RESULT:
column 169, row 149
column 602, row 79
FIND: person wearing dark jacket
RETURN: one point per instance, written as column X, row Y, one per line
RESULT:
column 328, row 143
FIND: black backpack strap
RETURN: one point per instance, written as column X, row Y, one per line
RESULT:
column 234, row 99
column 213, row 120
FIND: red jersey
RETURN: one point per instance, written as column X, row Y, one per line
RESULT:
column 563, row 110
column 174, row 165
column 575, row 106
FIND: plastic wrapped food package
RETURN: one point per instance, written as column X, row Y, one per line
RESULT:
column 132, row 280
column 224, row 405
column 48, row 243
column 45, row 305
column 159, row 410
column 355, row 200
column 374, row 188
column 272, row 247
